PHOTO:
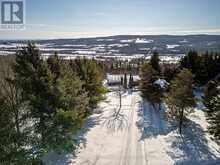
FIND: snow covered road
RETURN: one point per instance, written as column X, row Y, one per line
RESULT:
column 145, row 138
column 133, row 151
column 124, row 146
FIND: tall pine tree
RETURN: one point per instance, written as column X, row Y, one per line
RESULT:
column 155, row 62
column 14, row 129
column 92, row 76
column 56, row 98
column 149, row 89
column 180, row 98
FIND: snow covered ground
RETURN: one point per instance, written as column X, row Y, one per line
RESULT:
column 142, row 136
column 143, row 41
column 172, row 46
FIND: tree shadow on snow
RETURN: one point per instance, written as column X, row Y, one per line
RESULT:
column 192, row 147
column 65, row 158
column 153, row 122
column 80, row 137
column 189, row 149
column 117, row 120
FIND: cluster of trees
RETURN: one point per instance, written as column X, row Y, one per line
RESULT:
column 179, row 96
column 205, row 66
column 212, row 104
column 127, row 83
column 206, row 70
column 92, row 75
column 169, row 71
column 149, row 73
column 117, row 66
column 43, row 102
column 194, row 69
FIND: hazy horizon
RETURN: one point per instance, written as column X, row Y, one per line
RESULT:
column 46, row 19
column 107, row 36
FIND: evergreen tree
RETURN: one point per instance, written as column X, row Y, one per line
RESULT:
column 56, row 98
column 180, row 98
column 112, row 67
column 154, row 61
column 70, row 101
column 9, row 145
column 150, row 90
column 205, row 66
column 92, row 76
column 131, row 81
column 190, row 61
column 125, row 84
column 13, row 119
column 169, row 72
column 122, row 81
column 212, row 103
column 129, row 67
column 34, row 78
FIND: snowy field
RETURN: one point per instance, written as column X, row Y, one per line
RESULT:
column 142, row 136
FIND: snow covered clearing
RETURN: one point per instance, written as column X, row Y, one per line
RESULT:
column 171, row 59
column 126, row 41
column 141, row 136
column 183, row 41
column 105, row 39
column 117, row 45
column 5, row 53
column 143, row 41
column 172, row 46
column 85, row 52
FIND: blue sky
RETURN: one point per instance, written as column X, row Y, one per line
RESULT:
column 89, row 18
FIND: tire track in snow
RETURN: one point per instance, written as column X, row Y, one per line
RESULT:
column 133, row 150
column 127, row 136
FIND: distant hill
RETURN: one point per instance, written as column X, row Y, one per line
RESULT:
column 122, row 45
